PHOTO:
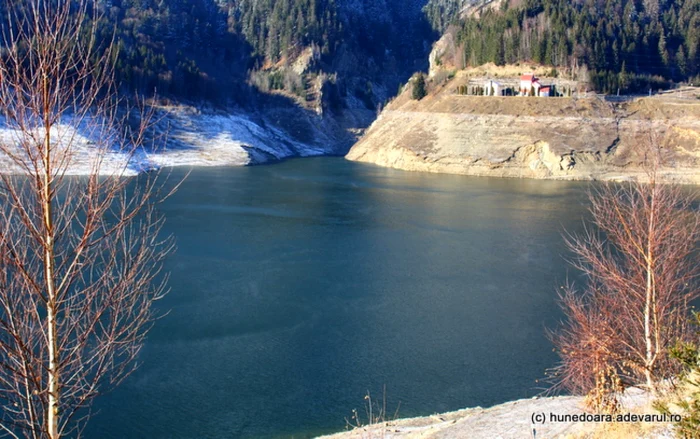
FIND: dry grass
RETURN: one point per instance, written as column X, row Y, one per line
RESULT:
column 506, row 71
column 623, row 431
column 375, row 421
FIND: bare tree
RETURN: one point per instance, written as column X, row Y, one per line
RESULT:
column 641, row 269
column 79, row 256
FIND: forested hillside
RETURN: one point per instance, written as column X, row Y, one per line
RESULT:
column 221, row 50
column 213, row 49
column 441, row 13
column 183, row 48
column 627, row 44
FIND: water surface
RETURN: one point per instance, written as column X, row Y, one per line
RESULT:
column 299, row 286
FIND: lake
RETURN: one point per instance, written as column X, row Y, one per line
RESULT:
column 297, row 287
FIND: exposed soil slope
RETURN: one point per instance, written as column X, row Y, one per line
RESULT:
column 557, row 138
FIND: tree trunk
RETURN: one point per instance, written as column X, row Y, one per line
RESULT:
column 51, row 299
column 53, row 372
column 649, row 360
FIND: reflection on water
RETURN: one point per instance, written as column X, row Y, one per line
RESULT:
column 299, row 286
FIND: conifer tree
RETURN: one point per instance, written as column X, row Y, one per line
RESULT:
column 419, row 90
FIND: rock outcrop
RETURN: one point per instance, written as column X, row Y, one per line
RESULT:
column 549, row 138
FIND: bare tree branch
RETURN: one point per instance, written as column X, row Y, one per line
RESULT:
column 641, row 267
column 80, row 257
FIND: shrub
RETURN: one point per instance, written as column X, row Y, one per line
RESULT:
column 687, row 401
column 641, row 273
column 419, row 91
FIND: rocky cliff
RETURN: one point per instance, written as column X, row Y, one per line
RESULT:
column 555, row 138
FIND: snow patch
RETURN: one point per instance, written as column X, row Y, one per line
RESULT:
column 183, row 136
column 75, row 150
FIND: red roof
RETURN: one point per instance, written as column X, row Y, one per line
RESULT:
column 528, row 77
column 545, row 88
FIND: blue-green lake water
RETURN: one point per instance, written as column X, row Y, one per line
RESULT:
column 298, row 287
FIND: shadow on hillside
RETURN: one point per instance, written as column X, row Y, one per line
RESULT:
column 380, row 48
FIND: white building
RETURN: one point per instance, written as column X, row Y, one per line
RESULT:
column 492, row 88
column 527, row 82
